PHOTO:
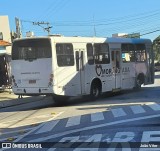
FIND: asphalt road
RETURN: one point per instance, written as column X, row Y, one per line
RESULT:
column 129, row 120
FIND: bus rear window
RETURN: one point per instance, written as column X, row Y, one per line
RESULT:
column 31, row 49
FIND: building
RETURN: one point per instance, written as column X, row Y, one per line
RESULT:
column 3, row 46
column 126, row 35
column 119, row 35
column 5, row 36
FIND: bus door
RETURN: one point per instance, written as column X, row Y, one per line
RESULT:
column 116, row 66
column 150, row 58
column 80, row 71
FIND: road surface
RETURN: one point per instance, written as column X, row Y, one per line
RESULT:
column 126, row 121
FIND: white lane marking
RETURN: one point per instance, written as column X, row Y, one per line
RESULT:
column 47, row 127
column 136, row 109
column 155, row 107
column 97, row 116
column 92, row 127
column 118, row 112
column 51, row 149
column 16, row 131
column 73, row 121
column 36, row 128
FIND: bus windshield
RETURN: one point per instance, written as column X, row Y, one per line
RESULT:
column 31, row 49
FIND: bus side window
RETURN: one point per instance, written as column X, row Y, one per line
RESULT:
column 90, row 54
column 101, row 51
column 65, row 55
column 128, row 54
column 140, row 53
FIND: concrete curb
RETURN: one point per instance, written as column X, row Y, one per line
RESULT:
column 14, row 101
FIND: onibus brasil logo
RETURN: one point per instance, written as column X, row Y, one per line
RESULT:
column 100, row 71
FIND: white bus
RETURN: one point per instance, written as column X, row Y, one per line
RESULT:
column 76, row 66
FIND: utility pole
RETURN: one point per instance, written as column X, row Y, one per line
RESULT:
column 94, row 26
column 48, row 28
column 18, row 27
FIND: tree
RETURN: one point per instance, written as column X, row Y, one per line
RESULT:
column 156, row 48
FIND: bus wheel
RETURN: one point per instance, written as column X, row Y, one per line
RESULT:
column 60, row 100
column 95, row 90
column 138, row 84
column 139, row 81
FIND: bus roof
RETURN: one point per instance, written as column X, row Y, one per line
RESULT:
column 63, row 39
column 128, row 40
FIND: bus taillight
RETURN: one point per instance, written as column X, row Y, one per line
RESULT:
column 14, row 81
column 51, row 77
column 51, row 80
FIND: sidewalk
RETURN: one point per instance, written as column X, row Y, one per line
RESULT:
column 8, row 99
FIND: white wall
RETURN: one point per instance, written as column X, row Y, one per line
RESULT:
column 5, row 29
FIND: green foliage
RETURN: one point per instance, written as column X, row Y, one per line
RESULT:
column 156, row 48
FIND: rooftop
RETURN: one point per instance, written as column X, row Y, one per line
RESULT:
column 4, row 43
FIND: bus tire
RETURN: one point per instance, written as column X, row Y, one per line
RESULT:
column 96, row 89
column 139, row 81
column 60, row 100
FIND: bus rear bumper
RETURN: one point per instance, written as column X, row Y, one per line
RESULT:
column 32, row 91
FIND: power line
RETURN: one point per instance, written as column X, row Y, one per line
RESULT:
column 47, row 10
column 150, row 32
column 109, row 21
column 41, row 25
column 54, row 8
column 121, row 20
column 144, row 20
